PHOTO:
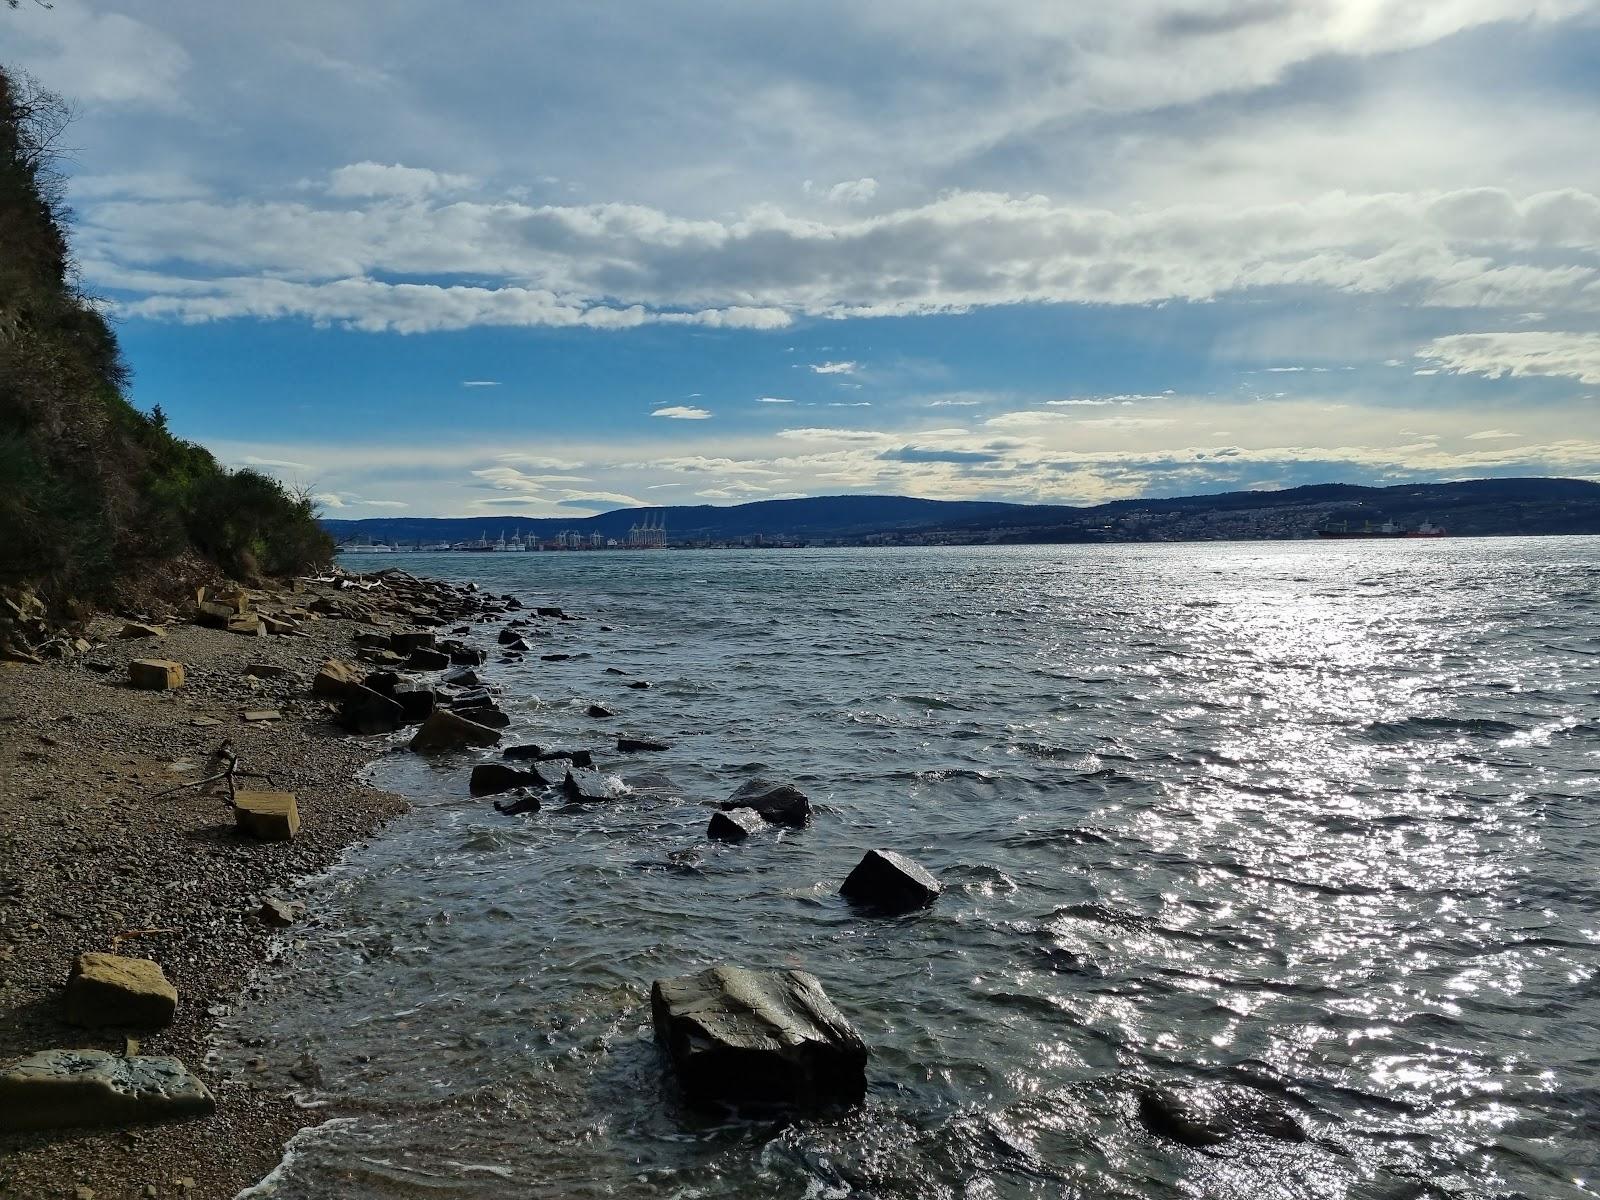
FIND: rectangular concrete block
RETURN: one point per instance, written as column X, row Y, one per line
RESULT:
column 157, row 674
column 112, row 989
column 270, row 816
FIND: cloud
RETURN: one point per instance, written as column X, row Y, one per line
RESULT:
column 1496, row 355
column 772, row 400
column 850, row 191
column 834, row 368
column 250, row 460
column 682, row 412
column 367, row 179
column 814, row 434
column 385, row 504
column 1487, row 435
column 480, row 383
column 918, row 454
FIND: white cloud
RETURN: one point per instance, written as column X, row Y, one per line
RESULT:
column 366, row 179
column 250, row 460
column 834, row 368
column 682, row 412
column 1567, row 355
column 772, row 400
column 850, row 191
column 480, row 383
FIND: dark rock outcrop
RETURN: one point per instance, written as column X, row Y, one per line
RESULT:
column 424, row 659
column 489, row 779
column 599, row 712
column 582, row 784
column 523, row 802
column 780, row 803
column 416, row 703
column 406, row 642
column 734, row 826
column 1209, row 1116
column 738, row 1035
column 446, row 730
column 630, row 745
column 367, row 711
column 890, row 882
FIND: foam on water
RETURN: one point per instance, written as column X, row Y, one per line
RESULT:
column 1314, row 819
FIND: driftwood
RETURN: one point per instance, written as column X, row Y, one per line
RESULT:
column 229, row 760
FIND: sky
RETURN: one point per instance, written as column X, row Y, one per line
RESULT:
column 437, row 260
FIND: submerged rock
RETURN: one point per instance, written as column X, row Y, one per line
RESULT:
column 734, row 826
column 630, row 745
column 65, row 1088
column 111, row 989
column 524, row 802
column 890, row 882
column 780, row 803
column 488, row 779
column 734, row 1034
column 1208, row 1116
column 599, row 712
column 582, row 784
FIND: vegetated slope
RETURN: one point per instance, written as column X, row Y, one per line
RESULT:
column 1476, row 506
column 92, row 489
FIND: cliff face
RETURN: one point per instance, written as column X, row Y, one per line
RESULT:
column 92, row 490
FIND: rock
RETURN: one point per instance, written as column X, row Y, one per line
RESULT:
column 445, row 730
column 424, row 659
column 578, row 758
column 545, row 610
column 268, row 671
column 509, row 635
column 248, row 624
column 405, row 643
column 416, row 703
column 63, row 1088
column 1208, row 1116
column 279, row 625
column 203, row 722
column 554, row 657
column 734, row 1034
column 269, row 816
column 891, row 882
column 488, row 779
column 581, row 784
column 334, row 678
column 155, row 674
column 261, row 714
column 629, row 745
column 780, row 803
column 639, row 684
column 385, row 683
column 280, row 914
column 465, row 677
column 368, row 711
column 600, row 711
column 468, row 656
column 474, row 699
column 734, row 826
column 518, row 645
column 493, row 718
column 526, row 750
column 526, row 802
column 110, row 989
column 551, row 772
column 615, row 671
column 217, row 616
column 371, row 641
column 134, row 629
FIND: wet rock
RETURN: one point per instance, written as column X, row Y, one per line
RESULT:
column 551, row 772
column 73, row 1088
column 334, row 678
column 424, row 659
column 134, row 629
column 111, row 989
column 738, row 1035
column 489, row 779
column 509, row 635
column 632, row 745
column 368, row 711
column 578, row 758
column 734, row 826
column 518, row 646
column 446, row 730
column 385, row 683
column 465, row 677
column 639, row 684
column 599, row 711
column 1208, row 1116
column 490, row 716
column 371, row 641
column 280, row 914
column 267, row 816
column 524, row 802
column 416, row 703
column 406, row 642
column 554, row 657
column 467, row 656
column 582, row 784
column 155, row 674
column 615, row 671
column 478, row 698
column 550, row 610
column 780, row 803
column 890, row 882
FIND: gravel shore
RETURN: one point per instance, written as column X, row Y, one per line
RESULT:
column 89, row 860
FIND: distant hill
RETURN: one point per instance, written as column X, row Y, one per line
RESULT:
column 1479, row 506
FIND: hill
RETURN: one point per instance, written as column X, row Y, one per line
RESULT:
column 1468, row 507
column 97, row 497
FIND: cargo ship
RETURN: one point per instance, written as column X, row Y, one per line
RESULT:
column 1344, row 529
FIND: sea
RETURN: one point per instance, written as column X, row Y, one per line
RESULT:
column 1320, row 820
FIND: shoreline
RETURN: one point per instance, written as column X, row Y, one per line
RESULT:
column 92, row 858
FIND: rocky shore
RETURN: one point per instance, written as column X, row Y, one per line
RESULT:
column 94, row 858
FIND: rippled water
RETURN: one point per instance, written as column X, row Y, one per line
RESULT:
column 1317, row 819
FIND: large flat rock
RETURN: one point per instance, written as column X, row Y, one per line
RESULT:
column 60, row 1088
column 739, row 1035
column 113, row 989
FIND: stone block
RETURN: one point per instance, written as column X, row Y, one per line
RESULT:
column 269, row 816
column 155, row 674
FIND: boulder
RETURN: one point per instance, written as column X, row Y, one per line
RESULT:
column 268, row 670
column 281, row 626
column 639, row 684
column 739, row 1035
column 509, row 635
column 217, row 616
column 405, row 643
column 248, row 624
column 267, row 816
column 367, row 711
column 491, row 717
column 334, row 678
column 780, row 803
column 1208, row 1116
column 615, row 671
column 155, row 674
column 526, row 750
column 424, row 659
column 64, row 1088
column 464, row 677
column 525, row 802
column 890, row 882
column 280, row 914
column 582, row 784
column 489, row 779
column 110, row 989
column 578, row 758
column 734, row 826
column 371, row 641
column 261, row 714
column 630, row 745
column 599, row 712
column 416, row 703
column 478, row 698
column 517, row 645
column 551, row 772
column 468, row 656
column 133, row 629
column 547, row 610
column 445, row 730
column 385, row 683
column 554, row 657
